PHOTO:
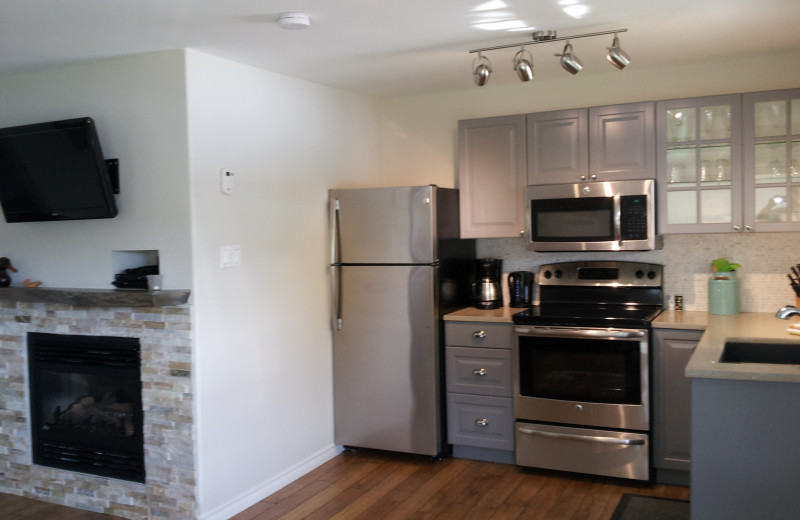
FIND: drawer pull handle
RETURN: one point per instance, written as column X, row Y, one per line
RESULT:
column 483, row 423
column 479, row 334
column 479, row 372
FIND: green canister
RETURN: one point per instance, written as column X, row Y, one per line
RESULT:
column 723, row 294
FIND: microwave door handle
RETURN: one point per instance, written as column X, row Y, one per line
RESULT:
column 617, row 219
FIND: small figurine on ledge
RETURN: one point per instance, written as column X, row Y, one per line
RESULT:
column 31, row 285
column 5, row 263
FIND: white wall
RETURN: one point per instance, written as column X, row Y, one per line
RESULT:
column 138, row 105
column 263, row 344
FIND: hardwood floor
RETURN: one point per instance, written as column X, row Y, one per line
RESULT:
column 367, row 485
column 13, row 507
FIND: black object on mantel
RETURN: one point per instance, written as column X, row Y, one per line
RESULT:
column 135, row 278
column 5, row 264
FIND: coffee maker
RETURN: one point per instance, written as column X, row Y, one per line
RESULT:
column 486, row 291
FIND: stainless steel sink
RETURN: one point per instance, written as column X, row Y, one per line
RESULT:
column 755, row 350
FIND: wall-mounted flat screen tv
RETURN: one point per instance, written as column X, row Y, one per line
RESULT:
column 54, row 171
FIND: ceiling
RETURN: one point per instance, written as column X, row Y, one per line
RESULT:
column 394, row 48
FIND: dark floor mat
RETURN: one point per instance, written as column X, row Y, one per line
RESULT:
column 639, row 507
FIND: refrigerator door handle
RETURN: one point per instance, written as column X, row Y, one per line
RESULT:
column 335, row 254
column 336, row 291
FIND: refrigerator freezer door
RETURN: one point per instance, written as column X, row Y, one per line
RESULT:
column 383, row 225
column 386, row 360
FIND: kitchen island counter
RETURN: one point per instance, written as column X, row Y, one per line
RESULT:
column 750, row 325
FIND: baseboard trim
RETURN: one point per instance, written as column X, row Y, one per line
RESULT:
column 253, row 496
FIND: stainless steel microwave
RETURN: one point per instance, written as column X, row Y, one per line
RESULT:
column 592, row 216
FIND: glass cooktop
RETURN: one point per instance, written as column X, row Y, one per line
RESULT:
column 588, row 315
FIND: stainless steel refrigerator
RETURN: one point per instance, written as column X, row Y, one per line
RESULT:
column 397, row 265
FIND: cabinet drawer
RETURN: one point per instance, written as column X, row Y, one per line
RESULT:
column 483, row 422
column 475, row 334
column 482, row 371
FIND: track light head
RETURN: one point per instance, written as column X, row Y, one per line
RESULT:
column 616, row 55
column 569, row 61
column 523, row 64
column 481, row 70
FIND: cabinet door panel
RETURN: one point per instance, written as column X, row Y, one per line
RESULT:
column 673, row 398
column 558, row 147
column 622, row 142
column 491, row 176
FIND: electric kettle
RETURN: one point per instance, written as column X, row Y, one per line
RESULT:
column 520, row 288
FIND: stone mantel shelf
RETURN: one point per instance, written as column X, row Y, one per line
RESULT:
column 96, row 297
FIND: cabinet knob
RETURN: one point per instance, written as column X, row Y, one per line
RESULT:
column 594, row 177
column 483, row 423
column 480, row 334
column 522, row 232
column 748, row 228
column 479, row 372
column 737, row 228
column 583, row 177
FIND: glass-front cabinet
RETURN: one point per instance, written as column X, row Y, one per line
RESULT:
column 699, row 164
column 772, row 154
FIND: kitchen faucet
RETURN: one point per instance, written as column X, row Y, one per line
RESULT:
column 785, row 312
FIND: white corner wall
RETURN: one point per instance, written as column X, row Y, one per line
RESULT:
column 263, row 382
column 138, row 103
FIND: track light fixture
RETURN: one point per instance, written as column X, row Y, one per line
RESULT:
column 569, row 61
column 523, row 59
column 616, row 55
column 481, row 70
column 523, row 64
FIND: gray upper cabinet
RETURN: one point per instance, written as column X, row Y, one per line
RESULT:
column 622, row 144
column 771, row 140
column 491, row 176
column 606, row 143
column 558, row 147
column 699, row 165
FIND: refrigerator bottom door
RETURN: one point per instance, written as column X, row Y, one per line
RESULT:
column 386, row 360
column 581, row 450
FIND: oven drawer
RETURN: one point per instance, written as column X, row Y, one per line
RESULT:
column 480, row 421
column 472, row 334
column 481, row 371
column 581, row 450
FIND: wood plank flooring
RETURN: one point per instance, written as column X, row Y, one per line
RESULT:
column 368, row 485
column 13, row 507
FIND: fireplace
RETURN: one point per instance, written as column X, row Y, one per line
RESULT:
column 86, row 404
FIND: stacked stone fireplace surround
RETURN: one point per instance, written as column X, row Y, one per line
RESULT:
column 164, row 332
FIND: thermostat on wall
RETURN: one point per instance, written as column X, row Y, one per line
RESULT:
column 226, row 181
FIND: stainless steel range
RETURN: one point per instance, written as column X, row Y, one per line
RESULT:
column 581, row 369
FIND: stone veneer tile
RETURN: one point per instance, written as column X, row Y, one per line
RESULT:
column 165, row 337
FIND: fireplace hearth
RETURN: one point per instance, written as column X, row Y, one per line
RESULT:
column 86, row 404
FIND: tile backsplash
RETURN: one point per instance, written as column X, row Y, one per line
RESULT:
column 765, row 259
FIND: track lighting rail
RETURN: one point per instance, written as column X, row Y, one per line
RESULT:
column 547, row 39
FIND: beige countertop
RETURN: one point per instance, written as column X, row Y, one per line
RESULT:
column 704, row 362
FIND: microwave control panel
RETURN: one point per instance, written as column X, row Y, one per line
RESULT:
column 633, row 217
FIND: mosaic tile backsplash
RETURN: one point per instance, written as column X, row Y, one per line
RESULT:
column 765, row 259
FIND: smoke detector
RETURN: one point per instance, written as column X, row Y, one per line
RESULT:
column 294, row 21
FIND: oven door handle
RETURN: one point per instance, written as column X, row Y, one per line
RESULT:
column 582, row 333
column 586, row 438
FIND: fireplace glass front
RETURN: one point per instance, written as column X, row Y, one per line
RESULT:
column 86, row 404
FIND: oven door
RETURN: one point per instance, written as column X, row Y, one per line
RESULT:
column 582, row 376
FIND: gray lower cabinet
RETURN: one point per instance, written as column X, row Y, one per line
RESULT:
column 672, row 404
column 480, row 416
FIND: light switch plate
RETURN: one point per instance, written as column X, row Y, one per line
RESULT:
column 226, row 181
column 230, row 256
